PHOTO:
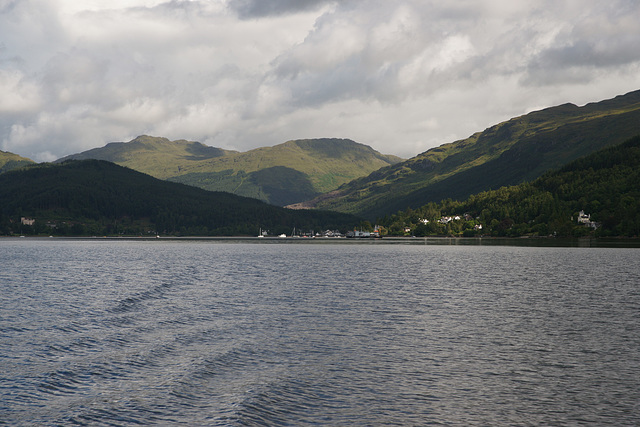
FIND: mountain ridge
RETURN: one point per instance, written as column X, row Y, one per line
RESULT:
column 596, row 195
column 514, row 151
column 292, row 171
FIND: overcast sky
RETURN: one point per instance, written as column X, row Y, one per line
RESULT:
column 401, row 76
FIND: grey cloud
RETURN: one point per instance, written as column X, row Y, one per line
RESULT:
column 29, row 29
column 520, row 44
column 588, row 53
column 8, row 6
column 247, row 9
column 590, row 48
column 368, row 69
column 566, row 65
column 381, row 43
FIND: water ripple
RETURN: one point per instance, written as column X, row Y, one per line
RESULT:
column 225, row 334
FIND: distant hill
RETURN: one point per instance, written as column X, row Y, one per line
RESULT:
column 605, row 185
column 95, row 197
column 284, row 174
column 9, row 161
column 511, row 152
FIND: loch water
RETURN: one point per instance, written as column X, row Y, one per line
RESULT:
column 225, row 333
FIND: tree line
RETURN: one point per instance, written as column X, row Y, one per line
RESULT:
column 605, row 185
column 93, row 197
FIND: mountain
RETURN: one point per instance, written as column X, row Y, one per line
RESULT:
column 94, row 197
column 154, row 156
column 604, row 186
column 283, row 174
column 512, row 152
column 9, row 161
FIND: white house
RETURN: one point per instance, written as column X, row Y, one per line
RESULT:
column 586, row 220
column 27, row 221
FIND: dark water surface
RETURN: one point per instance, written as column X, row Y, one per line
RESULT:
column 220, row 333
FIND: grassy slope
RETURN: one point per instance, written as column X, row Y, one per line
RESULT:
column 283, row 174
column 9, row 161
column 606, row 184
column 158, row 157
column 515, row 151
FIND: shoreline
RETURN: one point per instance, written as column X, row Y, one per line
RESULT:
column 584, row 242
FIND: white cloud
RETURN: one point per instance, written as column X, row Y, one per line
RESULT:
column 19, row 95
column 400, row 76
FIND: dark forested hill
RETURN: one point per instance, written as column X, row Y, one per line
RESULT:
column 604, row 185
column 9, row 161
column 512, row 152
column 286, row 173
column 98, row 197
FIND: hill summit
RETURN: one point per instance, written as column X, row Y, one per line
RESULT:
column 283, row 174
column 509, row 153
column 9, row 161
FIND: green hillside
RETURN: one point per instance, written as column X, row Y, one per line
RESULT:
column 512, row 152
column 158, row 157
column 281, row 175
column 605, row 185
column 9, row 161
column 95, row 197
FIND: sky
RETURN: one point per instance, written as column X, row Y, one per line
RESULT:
column 400, row 76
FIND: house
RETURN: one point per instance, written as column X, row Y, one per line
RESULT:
column 330, row 233
column 27, row 221
column 586, row 220
column 448, row 219
column 358, row 233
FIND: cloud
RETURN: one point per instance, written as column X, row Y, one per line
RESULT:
column 605, row 38
column 247, row 9
column 400, row 76
column 19, row 95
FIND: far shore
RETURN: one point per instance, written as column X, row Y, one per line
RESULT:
column 585, row 242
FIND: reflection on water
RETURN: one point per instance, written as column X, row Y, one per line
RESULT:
column 218, row 333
